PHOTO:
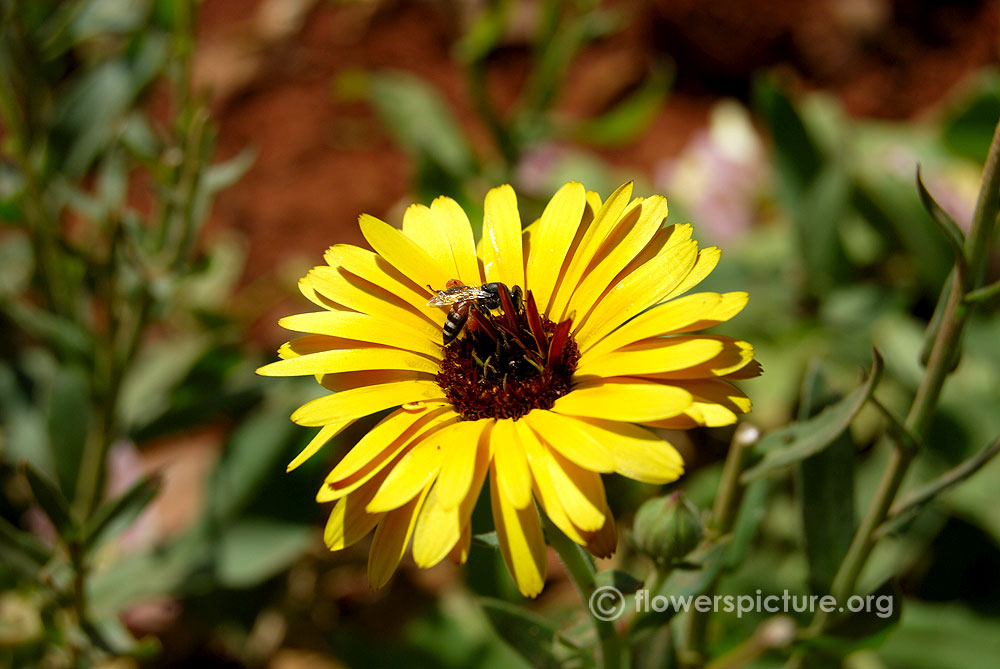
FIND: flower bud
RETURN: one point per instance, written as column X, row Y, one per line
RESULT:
column 667, row 528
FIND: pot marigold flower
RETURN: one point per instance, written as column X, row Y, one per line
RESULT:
column 537, row 359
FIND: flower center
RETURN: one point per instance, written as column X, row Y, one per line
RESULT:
column 509, row 361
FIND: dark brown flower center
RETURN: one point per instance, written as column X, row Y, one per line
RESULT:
column 508, row 361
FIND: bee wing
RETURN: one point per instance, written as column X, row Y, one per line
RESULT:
column 444, row 298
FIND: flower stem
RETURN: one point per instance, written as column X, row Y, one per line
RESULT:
column 727, row 503
column 581, row 572
column 939, row 366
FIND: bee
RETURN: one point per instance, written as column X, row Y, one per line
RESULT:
column 462, row 299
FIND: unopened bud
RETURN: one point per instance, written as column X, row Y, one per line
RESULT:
column 667, row 528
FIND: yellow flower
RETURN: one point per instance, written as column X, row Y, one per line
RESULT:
column 581, row 345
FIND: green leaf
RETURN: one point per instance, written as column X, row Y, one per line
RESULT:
column 803, row 439
column 167, row 570
column 630, row 117
column 51, row 501
column 622, row 581
column 798, row 157
column 485, row 32
column 223, row 175
column 931, row 636
column 21, row 550
column 252, row 551
column 251, row 456
column 818, row 210
column 487, row 540
column 968, row 129
column 117, row 514
column 17, row 260
column 532, row 636
column 879, row 612
column 418, row 118
column 951, row 231
column 753, row 508
column 825, row 487
column 68, row 418
column 61, row 333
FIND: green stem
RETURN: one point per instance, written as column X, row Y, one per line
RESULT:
column 581, row 572
column 939, row 366
column 724, row 510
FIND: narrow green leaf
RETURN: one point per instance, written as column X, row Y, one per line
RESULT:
column 420, row 120
column 879, row 612
column 223, row 175
column 13, row 541
column 251, row 551
column 818, row 211
column 68, row 422
column 803, row 439
column 825, row 492
column 487, row 540
column 51, row 501
column 968, row 129
column 798, row 157
column 528, row 633
column 629, row 118
column 117, row 514
column 252, row 455
column 944, row 220
column 752, row 509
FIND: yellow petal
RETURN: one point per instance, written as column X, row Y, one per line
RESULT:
column 639, row 290
column 377, row 271
column 403, row 253
column 382, row 447
column 580, row 491
column 502, row 254
column 440, row 528
column 372, row 356
column 638, row 453
column 459, row 444
column 512, row 472
column 521, row 542
column 729, row 305
column 460, row 551
column 605, row 219
column 651, row 356
column 708, row 258
column 629, row 400
column 719, row 401
column 422, row 228
column 390, row 541
column 413, row 472
column 454, row 226
column 667, row 318
column 623, row 245
column 556, row 231
column 566, row 436
column 364, row 401
column 349, row 522
column 362, row 327
column 732, row 357
column 355, row 293
column 543, row 488
column 325, row 434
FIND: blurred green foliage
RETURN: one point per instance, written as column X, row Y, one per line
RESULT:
column 117, row 329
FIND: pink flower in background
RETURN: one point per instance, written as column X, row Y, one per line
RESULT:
column 720, row 175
